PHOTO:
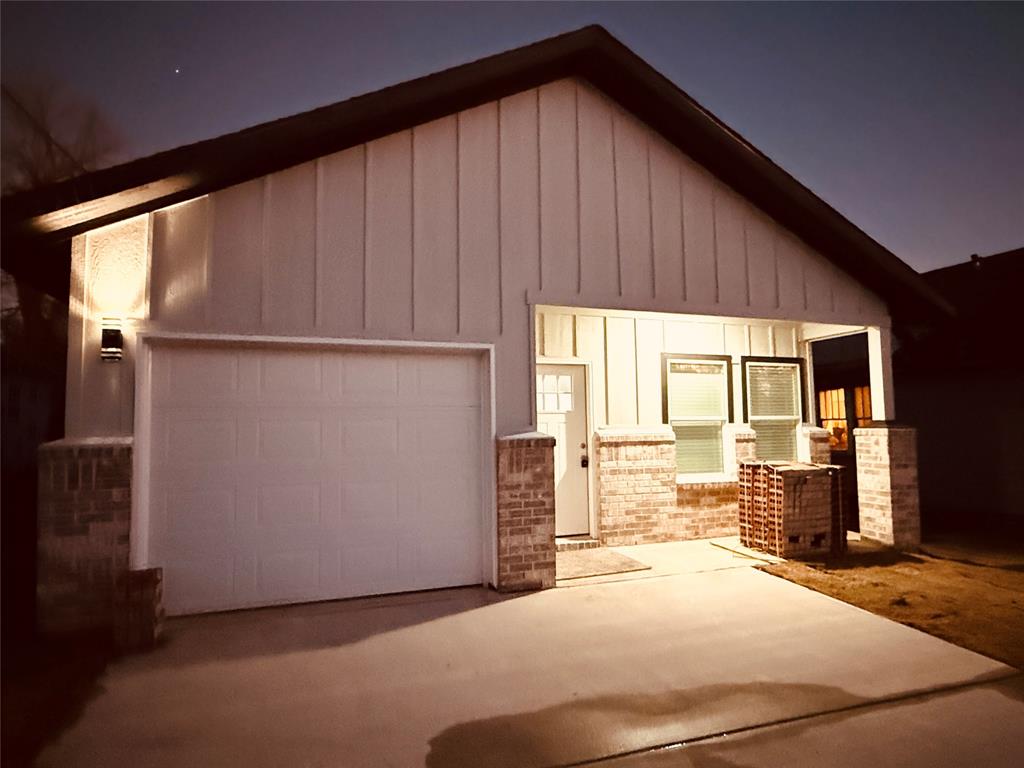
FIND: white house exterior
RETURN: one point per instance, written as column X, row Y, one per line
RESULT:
column 338, row 378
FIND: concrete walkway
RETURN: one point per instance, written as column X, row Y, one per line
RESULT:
column 466, row 678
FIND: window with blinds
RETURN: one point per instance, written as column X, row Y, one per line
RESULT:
column 773, row 407
column 697, row 407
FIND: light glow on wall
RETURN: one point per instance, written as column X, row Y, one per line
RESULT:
column 116, row 270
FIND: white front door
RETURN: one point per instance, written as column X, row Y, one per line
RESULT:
column 282, row 475
column 562, row 413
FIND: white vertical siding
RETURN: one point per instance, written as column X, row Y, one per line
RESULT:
column 341, row 241
column 236, row 257
column 435, row 214
column 291, row 249
column 479, row 239
column 599, row 256
column 624, row 352
column 451, row 230
column 180, row 277
column 559, row 188
column 389, row 246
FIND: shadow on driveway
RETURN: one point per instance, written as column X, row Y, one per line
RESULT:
column 312, row 626
column 551, row 736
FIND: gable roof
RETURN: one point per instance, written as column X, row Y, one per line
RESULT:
column 105, row 196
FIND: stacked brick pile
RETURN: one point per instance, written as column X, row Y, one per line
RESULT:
column 790, row 509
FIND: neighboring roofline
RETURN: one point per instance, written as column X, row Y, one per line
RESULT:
column 1014, row 253
column 105, row 196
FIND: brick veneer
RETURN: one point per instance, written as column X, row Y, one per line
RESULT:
column 84, row 519
column 139, row 608
column 526, row 512
column 819, row 449
column 745, row 440
column 636, row 486
column 887, row 491
column 705, row 510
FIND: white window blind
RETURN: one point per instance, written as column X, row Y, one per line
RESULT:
column 696, row 394
column 773, row 406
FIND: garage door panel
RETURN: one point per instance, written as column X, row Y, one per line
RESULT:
column 308, row 475
column 198, row 584
column 291, row 439
column 458, row 561
column 443, row 382
column 451, row 433
column 446, row 500
column 281, row 575
column 368, row 379
column 291, row 377
column 196, row 376
column 374, row 434
column 369, row 563
column 200, row 509
column 290, row 505
column 193, row 440
column 365, row 506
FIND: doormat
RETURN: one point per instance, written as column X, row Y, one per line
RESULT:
column 580, row 563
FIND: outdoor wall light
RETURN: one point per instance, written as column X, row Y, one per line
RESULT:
column 111, row 340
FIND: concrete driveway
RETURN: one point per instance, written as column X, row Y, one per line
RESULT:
column 606, row 670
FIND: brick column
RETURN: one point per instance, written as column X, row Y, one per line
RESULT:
column 815, row 447
column 745, row 440
column 84, row 520
column 887, row 491
column 526, row 512
column 636, row 485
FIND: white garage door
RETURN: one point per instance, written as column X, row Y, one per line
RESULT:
column 291, row 475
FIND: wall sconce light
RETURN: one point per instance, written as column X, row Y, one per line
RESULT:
column 111, row 340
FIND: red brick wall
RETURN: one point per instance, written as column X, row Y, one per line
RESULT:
column 887, row 492
column 707, row 510
column 636, row 486
column 83, row 579
column 639, row 500
column 526, row 512
column 84, row 519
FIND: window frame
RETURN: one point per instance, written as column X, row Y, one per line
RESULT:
column 801, row 417
column 727, row 360
column 802, row 382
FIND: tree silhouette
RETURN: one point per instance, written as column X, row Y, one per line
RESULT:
column 47, row 135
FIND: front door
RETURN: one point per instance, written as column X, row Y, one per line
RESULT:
column 562, row 413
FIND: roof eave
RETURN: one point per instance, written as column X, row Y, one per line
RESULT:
column 76, row 205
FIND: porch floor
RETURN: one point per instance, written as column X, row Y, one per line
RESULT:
column 672, row 558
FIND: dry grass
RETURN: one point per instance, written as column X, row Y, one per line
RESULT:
column 970, row 594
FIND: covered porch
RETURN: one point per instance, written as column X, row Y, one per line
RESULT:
column 652, row 414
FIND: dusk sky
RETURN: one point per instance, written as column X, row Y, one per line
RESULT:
column 907, row 118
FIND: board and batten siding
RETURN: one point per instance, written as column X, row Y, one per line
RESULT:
column 624, row 354
column 450, row 231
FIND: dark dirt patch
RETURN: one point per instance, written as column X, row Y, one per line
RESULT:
column 970, row 593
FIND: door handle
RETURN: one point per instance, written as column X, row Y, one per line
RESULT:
column 584, row 461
